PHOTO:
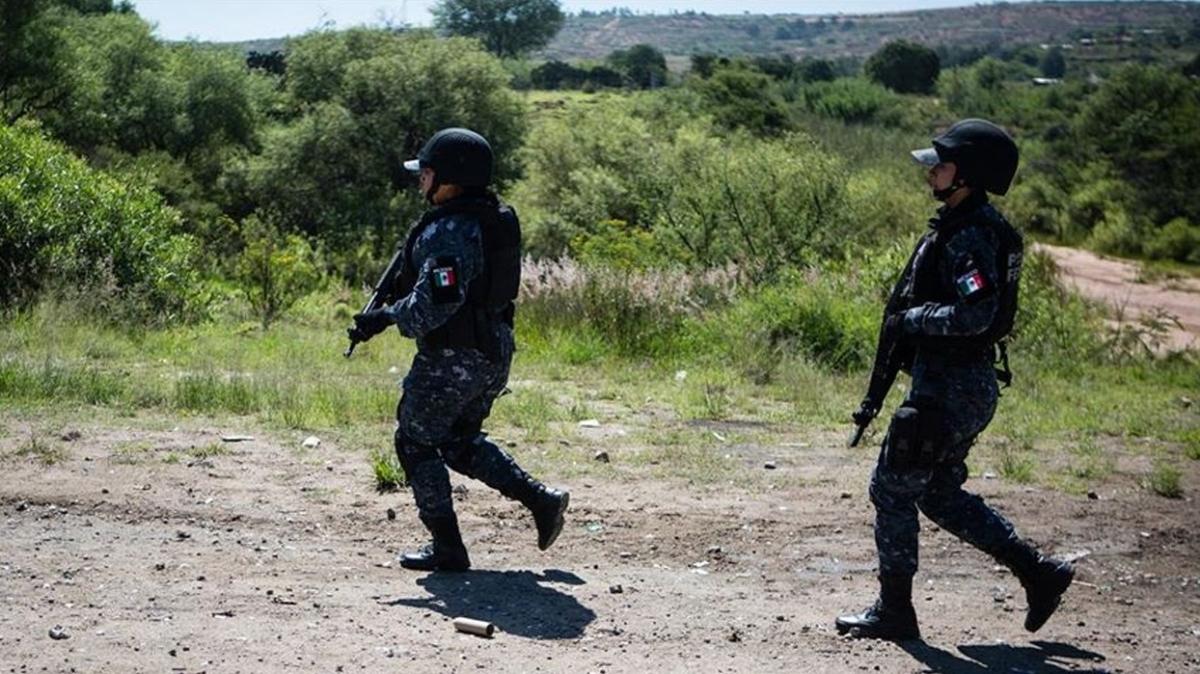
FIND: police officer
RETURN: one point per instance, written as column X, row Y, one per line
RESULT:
column 961, row 287
column 458, row 281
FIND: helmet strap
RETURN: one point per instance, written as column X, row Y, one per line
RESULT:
column 945, row 194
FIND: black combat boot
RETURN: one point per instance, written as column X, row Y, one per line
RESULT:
column 445, row 552
column 891, row 617
column 1045, row 580
column 547, row 505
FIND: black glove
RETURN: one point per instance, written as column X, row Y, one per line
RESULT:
column 368, row 324
column 865, row 413
column 894, row 322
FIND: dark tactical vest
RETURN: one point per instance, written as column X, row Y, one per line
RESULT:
column 926, row 284
column 491, row 295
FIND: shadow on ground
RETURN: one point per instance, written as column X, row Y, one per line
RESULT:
column 1042, row 657
column 516, row 602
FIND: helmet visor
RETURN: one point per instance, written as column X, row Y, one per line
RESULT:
column 413, row 166
column 927, row 157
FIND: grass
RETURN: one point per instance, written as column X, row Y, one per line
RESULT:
column 1164, row 480
column 48, row 453
column 294, row 378
column 385, row 466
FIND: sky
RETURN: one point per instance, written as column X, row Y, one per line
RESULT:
column 235, row 20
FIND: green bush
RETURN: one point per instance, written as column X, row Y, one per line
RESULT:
column 66, row 227
column 276, row 269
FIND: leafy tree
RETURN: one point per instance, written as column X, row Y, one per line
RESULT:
column 34, row 58
column 1054, row 64
column 742, row 98
column 557, row 75
column 817, row 70
column 905, row 67
column 642, row 64
column 1145, row 122
column 371, row 99
column 1192, row 69
column 506, row 27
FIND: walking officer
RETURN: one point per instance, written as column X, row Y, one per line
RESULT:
column 955, row 301
column 455, row 296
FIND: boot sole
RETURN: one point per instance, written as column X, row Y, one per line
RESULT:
column 1035, row 626
column 435, row 567
column 558, row 523
column 857, row 632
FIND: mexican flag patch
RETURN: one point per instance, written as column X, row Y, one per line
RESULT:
column 970, row 283
column 443, row 277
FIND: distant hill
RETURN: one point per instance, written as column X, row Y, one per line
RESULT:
column 679, row 35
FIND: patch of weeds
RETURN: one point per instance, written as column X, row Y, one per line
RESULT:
column 45, row 452
column 1191, row 444
column 208, row 451
column 580, row 410
column 1164, row 480
column 389, row 475
column 1017, row 462
column 711, row 399
column 321, row 495
column 695, row 462
column 532, row 410
column 213, row 393
column 171, row 458
column 131, row 453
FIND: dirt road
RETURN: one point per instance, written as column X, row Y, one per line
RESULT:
column 272, row 559
column 1116, row 283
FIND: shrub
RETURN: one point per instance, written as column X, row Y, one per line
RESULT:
column 275, row 269
column 905, row 67
column 65, row 226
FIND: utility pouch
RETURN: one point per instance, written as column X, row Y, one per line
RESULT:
column 915, row 437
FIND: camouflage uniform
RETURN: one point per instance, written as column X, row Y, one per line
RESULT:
column 448, row 392
column 959, row 383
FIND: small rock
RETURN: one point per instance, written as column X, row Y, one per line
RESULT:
column 70, row 436
column 735, row 636
column 460, row 490
column 680, row 375
column 1187, row 402
column 714, row 550
column 847, row 494
column 615, row 589
column 1093, row 496
column 391, row 513
column 590, row 423
column 58, row 633
column 989, row 476
column 236, row 438
column 182, row 535
column 625, row 554
column 311, row 442
column 160, row 567
column 770, row 465
column 511, row 443
column 393, row 370
column 22, row 506
column 601, row 456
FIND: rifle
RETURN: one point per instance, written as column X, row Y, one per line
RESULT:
column 893, row 352
column 382, row 292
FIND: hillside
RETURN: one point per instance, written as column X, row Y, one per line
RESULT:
column 682, row 34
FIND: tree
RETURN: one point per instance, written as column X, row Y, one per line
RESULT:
column 506, row 27
column 34, row 58
column 905, row 67
column 643, row 65
column 1192, row 69
column 1054, row 64
column 817, row 70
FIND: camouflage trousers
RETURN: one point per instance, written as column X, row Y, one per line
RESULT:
column 448, row 393
column 966, row 397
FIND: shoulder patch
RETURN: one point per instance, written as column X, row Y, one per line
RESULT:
column 971, row 284
column 443, row 277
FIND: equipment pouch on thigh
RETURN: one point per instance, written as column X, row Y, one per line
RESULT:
column 913, row 438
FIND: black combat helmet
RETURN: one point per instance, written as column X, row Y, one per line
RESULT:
column 985, row 154
column 458, row 156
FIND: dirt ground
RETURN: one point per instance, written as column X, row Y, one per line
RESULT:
column 1115, row 283
column 272, row 559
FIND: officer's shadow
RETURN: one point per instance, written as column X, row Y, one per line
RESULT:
column 1042, row 657
column 516, row 602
